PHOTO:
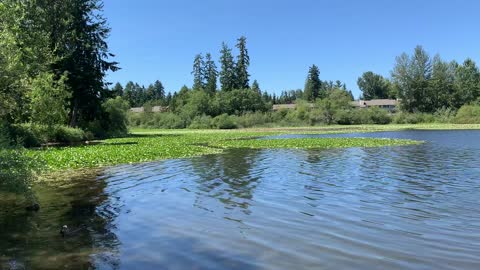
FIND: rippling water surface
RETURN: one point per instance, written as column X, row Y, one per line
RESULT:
column 408, row 207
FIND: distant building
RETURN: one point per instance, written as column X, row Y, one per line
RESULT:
column 278, row 107
column 154, row 109
column 292, row 106
column 387, row 104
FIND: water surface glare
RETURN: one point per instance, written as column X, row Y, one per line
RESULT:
column 406, row 207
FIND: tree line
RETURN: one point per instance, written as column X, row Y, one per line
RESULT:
column 425, row 84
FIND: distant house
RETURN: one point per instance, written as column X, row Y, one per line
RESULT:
column 154, row 109
column 293, row 106
column 137, row 109
column 278, row 107
column 387, row 104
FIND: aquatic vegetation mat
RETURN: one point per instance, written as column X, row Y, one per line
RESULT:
column 158, row 145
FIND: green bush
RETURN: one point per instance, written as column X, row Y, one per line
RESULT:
column 254, row 119
column 114, row 121
column 224, row 121
column 29, row 135
column 168, row 120
column 413, row 118
column 201, row 122
column 444, row 115
column 468, row 114
column 17, row 170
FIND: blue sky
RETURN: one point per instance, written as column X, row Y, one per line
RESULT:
column 157, row 39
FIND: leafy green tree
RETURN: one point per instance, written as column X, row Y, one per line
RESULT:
column 49, row 100
column 441, row 87
column 411, row 77
column 115, row 118
column 198, row 72
column 313, row 84
column 467, row 83
column 243, row 61
column 227, row 72
column 373, row 86
column 24, row 54
column 211, row 74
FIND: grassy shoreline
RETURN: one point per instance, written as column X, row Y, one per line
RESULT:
column 146, row 145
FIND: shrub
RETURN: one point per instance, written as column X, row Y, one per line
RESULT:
column 254, row 119
column 30, row 135
column 201, row 122
column 468, row 114
column 444, row 115
column 413, row 118
column 16, row 170
column 68, row 135
column 224, row 121
column 114, row 121
column 168, row 120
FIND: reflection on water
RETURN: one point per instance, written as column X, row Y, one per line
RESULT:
column 409, row 207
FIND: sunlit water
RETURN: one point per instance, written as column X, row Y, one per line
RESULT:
column 408, row 207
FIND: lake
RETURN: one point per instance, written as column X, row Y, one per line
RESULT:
column 407, row 207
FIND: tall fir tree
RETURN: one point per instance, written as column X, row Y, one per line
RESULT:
column 211, row 74
column 227, row 72
column 243, row 62
column 313, row 84
column 256, row 86
column 198, row 72
column 79, row 32
column 117, row 90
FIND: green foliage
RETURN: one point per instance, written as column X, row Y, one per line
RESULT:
column 243, row 61
column 468, row 114
column 31, row 135
column 413, row 118
column 227, row 72
column 115, row 118
column 313, row 84
column 467, row 83
column 198, row 72
column 201, row 122
column 224, row 121
column 17, row 171
column 211, row 75
column 240, row 101
column 374, row 86
column 49, row 99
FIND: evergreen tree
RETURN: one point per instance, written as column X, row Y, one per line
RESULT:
column 198, row 72
column 243, row 61
column 227, row 72
column 117, row 90
column 256, row 87
column 128, row 93
column 210, row 74
column 78, row 33
column 313, row 84
column 159, row 90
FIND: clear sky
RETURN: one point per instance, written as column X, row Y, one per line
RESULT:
column 158, row 39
